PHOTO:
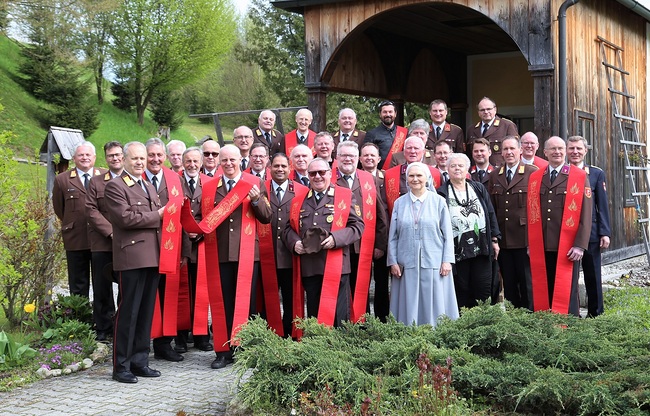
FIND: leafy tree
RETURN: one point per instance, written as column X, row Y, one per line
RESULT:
column 275, row 40
column 165, row 44
column 167, row 110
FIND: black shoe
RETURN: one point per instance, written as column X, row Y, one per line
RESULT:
column 220, row 362
column 180, row 346
column 204, row 346
column 169, row 355
column 125, row 377
column 145, row 372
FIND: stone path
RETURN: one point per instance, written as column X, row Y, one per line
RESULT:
column 190, row 386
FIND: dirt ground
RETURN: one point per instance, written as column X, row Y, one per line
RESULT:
column 634, row 271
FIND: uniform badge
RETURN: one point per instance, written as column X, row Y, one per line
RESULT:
column 496, row 122
column 329, row 218
column 587, row 192
column 107, row 177
column 357, row 210
column 501, row 171
column 73, row 173
column 521, row 169
column 330, row 192
column 496, row 147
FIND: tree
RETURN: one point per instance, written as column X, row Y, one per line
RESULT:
column 166, row 110
column 275, row 40
column 165, row 44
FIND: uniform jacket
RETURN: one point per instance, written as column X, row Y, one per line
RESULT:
column 279, row 220
column 69, row 203
column 277, row 140
column 99, row 227
column 499, row 129
column 190, row 247
column 229, row 232
column 474, row 170
column 315, row 214
column 136, row 223
column 452, row 134
column 510, row 203
column 552, row 207
column 293, row 137
column 357, row 136
column 381, row 211
column 600, row 214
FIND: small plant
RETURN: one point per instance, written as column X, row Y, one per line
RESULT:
column 61, row 355
column 13, row 353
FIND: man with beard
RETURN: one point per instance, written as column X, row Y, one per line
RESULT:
column 387, row 136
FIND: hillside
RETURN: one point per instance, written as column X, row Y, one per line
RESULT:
column 21, row 110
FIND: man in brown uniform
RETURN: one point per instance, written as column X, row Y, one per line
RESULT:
column 492, row 128
column 442, row 130
column 419, row 128
column 100, row 235
column 265, row 133
column 69, row 201
column 508, row 187
column 559, row 225
column 348, row 128
column 135, row 212
column 311, row 236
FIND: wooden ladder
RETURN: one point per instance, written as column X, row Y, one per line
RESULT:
column 623, row 116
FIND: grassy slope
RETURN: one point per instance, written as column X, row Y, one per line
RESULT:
column 21, row 109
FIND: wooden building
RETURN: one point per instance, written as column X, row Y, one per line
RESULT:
column 463, row 50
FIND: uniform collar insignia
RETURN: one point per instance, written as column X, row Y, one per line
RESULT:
column 447, row 127
column 380, row 174
column 355, row 133
column 496, row 123
column 128, row 181
column 521, row 169
column 107, row 177
column 477, row 125
column 73, row 173
column 586, row 168
column 565, row 169
column 258, row 132
column 309, row 195
column 98, row 172
column 501, row 171
column 330, row 191
column 427, row 154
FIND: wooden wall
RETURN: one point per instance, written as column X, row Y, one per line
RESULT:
column 587, row 92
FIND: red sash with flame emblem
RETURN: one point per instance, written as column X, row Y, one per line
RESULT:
column 166, row 324
column 208, row 285
column 568, row 232
column 398, row 143
column 392, row 180
column 367, row 248
column 291, row 140
column 298, row 292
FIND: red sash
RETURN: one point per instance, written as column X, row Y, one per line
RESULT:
column 269, row 275
column 367, row 248
column 208, row 285
column 398, row 143
column 166, row 323
column 568, row 231
column 334, row 261
column 291, row 140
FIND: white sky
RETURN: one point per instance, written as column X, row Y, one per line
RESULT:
column 241, row 5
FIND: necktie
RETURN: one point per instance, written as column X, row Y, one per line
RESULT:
column 154, row 182
column 319, row 196
column 244, row 164
column 509, row 176
column 144, row 188
column 347, row 179
column 486, row 126
column 304, row 180
column 231, row 184
column 437, row 132
column 445, row 175
column 86, row 180
column 278, row 193
column 481, row 174
column 210, row 174
column 191, row 183
column 345, row 136
column 553, row 175
column 268, row 138
column 259, row 175
column 302, row 139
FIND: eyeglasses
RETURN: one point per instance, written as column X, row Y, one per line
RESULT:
column 527, row 144
column 347, row 156
column 322, row 173
column 258, row 156
column 485, row 110
column 208, row 154
column 242, row 137
column 114, row 156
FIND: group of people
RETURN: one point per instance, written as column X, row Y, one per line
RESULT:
column 277, row 224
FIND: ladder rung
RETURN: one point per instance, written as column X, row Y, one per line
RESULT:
column 610, row 44
column 631, row 143
column 624, row 94
column 615, row 68
column 640, row 193
column 632, row 119
column 642, row 220
column 637, row 168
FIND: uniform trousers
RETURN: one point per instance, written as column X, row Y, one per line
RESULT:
column 79, row 263
column 285, row 283
column 354, row 271
column 382, row 284
column 103, row 301
column 473, row 280
column 228, row 272
column 517, row 280
column 132, row 330
column 551, row 266
column 313, row 286
column 591, row 269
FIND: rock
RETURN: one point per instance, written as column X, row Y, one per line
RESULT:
column 43, row 372
column 66, row 371
column 86, row 363
column 73, row 367
column 56, row 372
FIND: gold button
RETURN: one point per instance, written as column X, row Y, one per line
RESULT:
column 550, row 192
column 550, row 201
column 139, row 203
column 231, row 220
column 132, row 241
column 315, row 213
column 315, row 224
column 506, row 219
column 231, row 230
column 549, row 210
column 507, row 202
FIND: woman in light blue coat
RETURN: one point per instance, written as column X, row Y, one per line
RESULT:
column 420, row 253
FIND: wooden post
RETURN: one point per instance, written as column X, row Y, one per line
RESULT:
column 317, row 103
column 544, row 102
